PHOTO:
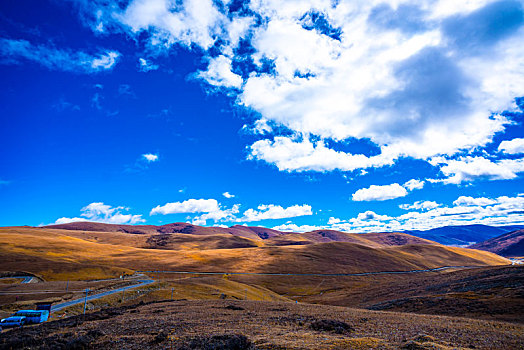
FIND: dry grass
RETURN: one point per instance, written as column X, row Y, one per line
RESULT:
column 268, row 325
column 56, row 255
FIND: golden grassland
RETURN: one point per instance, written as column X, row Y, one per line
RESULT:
column 57, row 255
column 64, row 254
column 266, row 325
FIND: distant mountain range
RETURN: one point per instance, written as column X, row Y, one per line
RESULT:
column 448, row 235
column 509, row 244
column 464, row 235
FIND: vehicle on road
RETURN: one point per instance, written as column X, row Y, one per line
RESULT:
column 13, row 321
column 33, row 316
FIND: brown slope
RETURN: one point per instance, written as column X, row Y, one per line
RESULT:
column 374, row 240
column 56, row 247
column 269, row 236
column 508, row 244
column 178, row 227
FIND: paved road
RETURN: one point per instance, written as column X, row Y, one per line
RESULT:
column 26, row 279
column 312, row 274
column 58, row 307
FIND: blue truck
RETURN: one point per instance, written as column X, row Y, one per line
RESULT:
column 33, row 316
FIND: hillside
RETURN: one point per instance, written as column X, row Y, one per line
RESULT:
column 510, row 244
column 463, row 235
column 248, row 325
column 48, row 252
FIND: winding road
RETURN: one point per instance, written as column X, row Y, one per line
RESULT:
column 25, row 279
column 60, row 306
column 312, row 274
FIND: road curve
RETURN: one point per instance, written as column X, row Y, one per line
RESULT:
column 60, row 306
column 311, row 274
column 26, row 279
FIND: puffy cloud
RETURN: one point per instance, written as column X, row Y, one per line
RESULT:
column 414, row 184
column 470, row 201
column 403, row 76
column 515, row 146
column 219, row 73
column 217, row 215
column 379, row 193
column 146, row 66
column 371, row 215
column 503, row 210
column 149, row 157
column 470, row 168
column 213, row 210
column 291, row 155
column 192, row 22
column 100, row 212
column 228, row 195
column 187, row 206
column 14, row 51
column 420, row 205
column 271, row 211
column 290, row 227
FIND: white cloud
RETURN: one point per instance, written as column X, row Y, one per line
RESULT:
column 106, row 61
column 469, row 168
column 211, row 209
column 228, row 195
column 100, row 212
column 296, row 228
column 371, row 215
column 515, row 146
column 271, row 211
column 420, row 205
column 414, row 184
column 187, row 206
column 219, row 73
column 150, row 157
column 14, row 51
column 470, row 201
column 380, row 193
column 291, row 155
column 503, row 210
column 404, row 75
column 217, row 215
column 146, row 66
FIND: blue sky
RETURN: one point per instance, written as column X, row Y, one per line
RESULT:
column 351, row 115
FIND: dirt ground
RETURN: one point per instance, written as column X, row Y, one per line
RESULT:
column 235, row 324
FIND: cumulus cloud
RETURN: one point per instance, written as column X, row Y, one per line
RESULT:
column 271, row 211
column 145, row 65
column 219, row 73
column 402, row 75
column 217, row 215
column 515, row 146
column 290, row 227
column 15, row 51
column 289, row 154
column 471, row 201
column 379, row 193
column 211, row 209
column 464, row 169
column 100, row 212
column 149, row 157
column 228, row 195
column 414, row 184
column 187, row 206
column 425, row 215
column 420, row 205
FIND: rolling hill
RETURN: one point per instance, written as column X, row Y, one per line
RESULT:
column 52, row 251
column 463, row 235
column 510, row 244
